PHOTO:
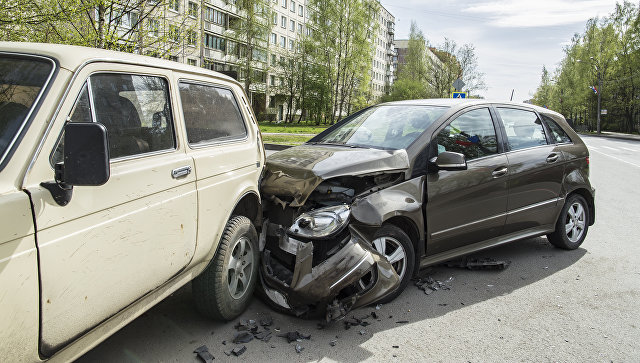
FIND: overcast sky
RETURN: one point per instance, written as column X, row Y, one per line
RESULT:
column 513, row 38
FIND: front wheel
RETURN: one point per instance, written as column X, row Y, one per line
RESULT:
column 572, row 225
column 395, row 245
column 224, row 289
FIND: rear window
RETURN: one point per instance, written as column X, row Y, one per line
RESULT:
column 384, row 127
column 22, row 80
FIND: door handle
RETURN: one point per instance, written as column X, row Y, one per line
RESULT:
column 180, row 172
column 552, row 158
column 500, row 172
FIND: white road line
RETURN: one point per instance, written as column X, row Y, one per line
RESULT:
column 610, row 148
column 613, row 157
column 592, row 147
column 628, row 148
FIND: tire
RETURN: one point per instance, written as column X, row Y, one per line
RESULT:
column 574, row 217
column 223, row 291
column 388, row 241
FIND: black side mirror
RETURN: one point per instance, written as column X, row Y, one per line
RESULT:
column 450, row 160
column 86, row 160
column 86, row 154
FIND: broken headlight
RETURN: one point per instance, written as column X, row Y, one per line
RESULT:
column 321, row 222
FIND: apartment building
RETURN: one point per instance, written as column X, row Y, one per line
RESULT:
column 209, row 43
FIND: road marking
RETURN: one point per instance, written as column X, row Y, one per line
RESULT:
column 628, row 148
column 613, row 157
column 610, row 148
column 592, row 147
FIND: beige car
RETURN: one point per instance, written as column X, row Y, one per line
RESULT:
column 122, row 178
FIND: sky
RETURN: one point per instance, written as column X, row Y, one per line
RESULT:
column 513, row 39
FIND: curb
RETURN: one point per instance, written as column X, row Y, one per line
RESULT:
column 276, row 147
column 613, row 136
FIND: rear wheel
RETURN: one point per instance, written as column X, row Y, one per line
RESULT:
column 224, row 289
column 395, row 245
column 572, row 225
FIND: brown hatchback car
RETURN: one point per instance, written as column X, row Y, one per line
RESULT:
column 356, row 211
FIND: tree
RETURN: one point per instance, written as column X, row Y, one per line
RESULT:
column 126, row 25
column 453, row 63
column 251, row 30
column 413, row 79
column 543, row 96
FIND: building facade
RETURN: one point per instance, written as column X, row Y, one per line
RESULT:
column 208, row 42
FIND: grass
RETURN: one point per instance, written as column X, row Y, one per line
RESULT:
column 285, row 139
column 294, row 128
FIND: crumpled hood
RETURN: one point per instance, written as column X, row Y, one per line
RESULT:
column 297, row 171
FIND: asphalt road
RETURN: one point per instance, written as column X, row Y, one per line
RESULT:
column 549, row 305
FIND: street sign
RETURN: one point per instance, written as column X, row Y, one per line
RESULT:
column 458, row 94
column 603, row 112
column 458, row 84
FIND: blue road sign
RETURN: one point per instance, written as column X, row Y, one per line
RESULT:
column 458, row 94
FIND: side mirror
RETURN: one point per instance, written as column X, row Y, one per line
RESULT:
column 86, row 160
column 450, row 160
column 86, row 154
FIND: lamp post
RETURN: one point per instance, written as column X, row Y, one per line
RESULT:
column 599, row 90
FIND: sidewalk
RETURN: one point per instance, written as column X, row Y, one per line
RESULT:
column 613, row 135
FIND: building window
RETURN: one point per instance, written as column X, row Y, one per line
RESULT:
column 283, row 42
column 215, row 16
column 173, row 58
column 299, row 28
column 154, row 26
column 292, row 25
column 174, row 5
column 300, row 10
column 174, row 33
column 192, row 62
column 291, row 44
column 211, row 41
column 283, row 22
column 193, row 9
column 274, row 38
column 272, row 80
column 275, row 18
column 192, row 38
column 284, row 4
column 293, row 6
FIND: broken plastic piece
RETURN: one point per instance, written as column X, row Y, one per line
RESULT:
column 479, row 264
column 242, row 337
column 299, row 348
column 402, row 322
column 204, row 354
column 266, row 321
column 333, row 342
column 237, row 351
column 293, row 336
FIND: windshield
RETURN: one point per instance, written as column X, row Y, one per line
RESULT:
column 21, row 80
column 384, row 127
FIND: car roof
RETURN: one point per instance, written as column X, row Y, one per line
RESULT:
column 73, row 57
column 459, row 103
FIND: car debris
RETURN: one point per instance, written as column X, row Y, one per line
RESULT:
column 242, row 337
column 429, row 285
column 204, row 354
column 333, row 342
column 478, row 263
column 294, row 336
column 299, row 348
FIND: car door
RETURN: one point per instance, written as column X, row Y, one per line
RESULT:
column 114, row 243
column 536, row 170
column 467, row 206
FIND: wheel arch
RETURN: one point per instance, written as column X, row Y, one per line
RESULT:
column 249, row 206
column 411, row 229
column 588, row 196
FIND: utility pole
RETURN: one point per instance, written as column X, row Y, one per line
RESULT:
column 599, row 74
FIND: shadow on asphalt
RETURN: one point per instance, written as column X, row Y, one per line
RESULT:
column 173, row 329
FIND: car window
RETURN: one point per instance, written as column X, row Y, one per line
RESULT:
column 21, row 81
column 557, row 133
column 134, row 109
column 386, row 127
column 524, row 128
column 211, row 114
column 471, row 134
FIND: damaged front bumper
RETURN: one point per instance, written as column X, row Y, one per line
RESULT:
column 353, row 275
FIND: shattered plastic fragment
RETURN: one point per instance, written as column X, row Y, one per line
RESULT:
column 429, row 285
column 402, row 322
column 479, row 264
column 237, row 351
column 243, row 337
column 204, row 354
column 266, row 321
column 378, row 307
column 293, row 336
column 299, row 348
column 333, row 342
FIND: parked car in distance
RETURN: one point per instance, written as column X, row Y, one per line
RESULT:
column 357, row 210
column 122, row 178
